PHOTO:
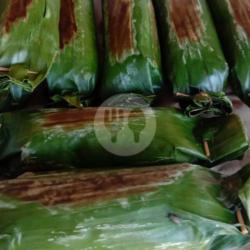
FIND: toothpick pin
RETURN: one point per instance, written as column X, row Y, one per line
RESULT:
column 178, row 94
column 243, row 228
column 6, row 70
column 206, row 148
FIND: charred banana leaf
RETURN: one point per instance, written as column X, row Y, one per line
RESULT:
column 175, row 207
column 73, row 75
column 132, row 51
column 232, row 18
column 192, row 53
column 116, row 137
column 28, row 45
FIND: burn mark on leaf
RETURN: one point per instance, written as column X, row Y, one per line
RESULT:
column 86, row 188
column 186, row 19
column 78, row 117
column 120, row 27
column 67, row 23
column 241, row 11
column 16, row 11
column 65, row 117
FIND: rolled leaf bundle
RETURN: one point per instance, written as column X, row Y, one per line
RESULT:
column 238, row 192
column 244, row 192
column 132, row 51
column 116, row 137
column 244, row 195
column 73, row 75
column 192, row 53
column 175, row 207
column 28, row 45
column 232, row 20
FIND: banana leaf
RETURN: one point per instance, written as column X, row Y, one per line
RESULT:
column 232, row 20
column 177, row 207
column 192, row 54
column 206, row 105
column 230, row 242
column 238, row 192
column 74, row 73
column 244, row 195
column 28, row 45
column 132, row 50
column 244, row 192
column 130, row 100
column 115, row 137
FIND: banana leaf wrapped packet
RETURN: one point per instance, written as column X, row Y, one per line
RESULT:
column 28, row 45
column 175, row 207
column 100, row 137
column 194, row 60
column 74, row 73
column 237, row 188
column 132, row 52
column 232, row 20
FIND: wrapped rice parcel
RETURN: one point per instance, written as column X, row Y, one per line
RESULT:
column 132, row 50
column 175, row 207
column 238, row 189
column 74, row 73
column 233, row 22
column 115, row 137
column 194, row 60
column 28, row 46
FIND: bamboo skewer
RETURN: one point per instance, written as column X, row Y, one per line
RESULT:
column 243, row 228
column 4, row 70
column 206, row 148
column 7, row 70
column 178, row 94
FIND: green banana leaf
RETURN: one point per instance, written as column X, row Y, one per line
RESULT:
column 28, row 45
column 132, row 51
column 192, row 54
column 244, row 195
column 232, row 20
column 175, row 207
column 100, row 137
column 244, row 192
column 230, row 242
column 74, row 73
column 238, row 189
column 130, row 100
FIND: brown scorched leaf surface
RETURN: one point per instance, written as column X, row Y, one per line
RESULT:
column 241, row 11
column 188, row 28
column 17, row 10
column 120, row 27
column 67, row 24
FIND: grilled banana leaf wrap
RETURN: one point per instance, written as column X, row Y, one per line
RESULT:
column 74, row 73
column 193, row 57
column 116, row 137
column 132, row 51
column 232, row 18
column 28, row 45
column 237, row 190
column 244, row 195
column 175, row 207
